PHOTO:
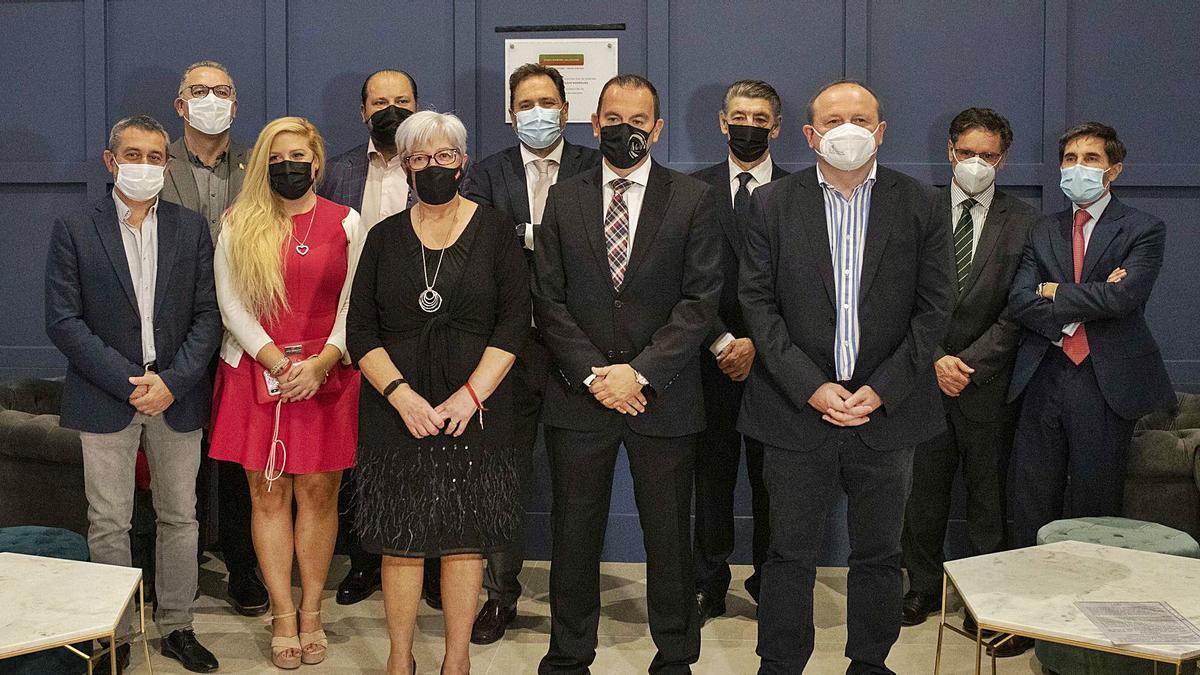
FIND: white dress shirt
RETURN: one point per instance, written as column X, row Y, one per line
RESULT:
column 1096, row 209
column 244, row 332
column 983, row 202
column 528, row 160
column 141, row 251
column 386, row 191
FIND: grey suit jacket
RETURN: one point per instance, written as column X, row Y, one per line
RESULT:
column 179, row 186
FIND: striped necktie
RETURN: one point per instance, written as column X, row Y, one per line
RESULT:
column 616, row 232
column 964, row 236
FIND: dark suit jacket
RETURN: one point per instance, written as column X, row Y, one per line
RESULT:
column 498, row 181
column 92, row 317
column 729, row 316
column 981, row 332
column 1125, row 356
column 658, row 319
column 346, row 178
column 179, row 184
column 787, row 292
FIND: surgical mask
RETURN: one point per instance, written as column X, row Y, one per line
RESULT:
column 384, row 122
column 847, row 146
column 538, row 127
column 748, row 142
column 289, row 179
column 974, row 175
column 139, row 182
column 1082, row 184
column 436, row 185
column 211, row 114
column 623, row 145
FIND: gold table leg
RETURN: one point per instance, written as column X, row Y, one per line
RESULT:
column 937, row 658
column 142, row 621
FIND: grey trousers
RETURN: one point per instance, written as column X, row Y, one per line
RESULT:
column 108, row 479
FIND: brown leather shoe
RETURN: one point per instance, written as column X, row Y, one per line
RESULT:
column 491, row 622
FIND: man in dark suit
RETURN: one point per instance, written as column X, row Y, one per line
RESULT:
column 973, row 362
column 515, row 181
column 130, row 302
column 627, row 286
column 205, row 175
column 749, row 118
column 845, row 290
column 370, row 179
column 1088, row 366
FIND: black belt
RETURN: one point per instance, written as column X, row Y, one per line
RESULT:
column 152, row 367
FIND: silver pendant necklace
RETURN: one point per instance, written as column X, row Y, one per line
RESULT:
column 430, row 300
column 302, row 246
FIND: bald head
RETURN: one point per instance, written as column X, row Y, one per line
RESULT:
column 844, row 101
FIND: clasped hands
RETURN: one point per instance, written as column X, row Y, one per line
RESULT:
column 841, row 408
column 150, row 394
column 422, row 419
column 616, row 387
column 737, row 357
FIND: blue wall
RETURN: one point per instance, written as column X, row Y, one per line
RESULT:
column 72, row 67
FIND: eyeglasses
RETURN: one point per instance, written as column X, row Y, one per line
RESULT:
column 419, row 160
column 201, row 90
column 989, row 157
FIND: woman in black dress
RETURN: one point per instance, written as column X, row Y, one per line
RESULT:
column 440, row 306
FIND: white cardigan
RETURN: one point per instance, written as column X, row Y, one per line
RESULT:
column 244, row 333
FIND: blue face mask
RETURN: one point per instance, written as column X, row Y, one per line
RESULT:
column 1082, row 184
column 538, row 127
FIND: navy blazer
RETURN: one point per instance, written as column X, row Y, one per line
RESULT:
column 786, row 286
column 499, row 181
column 346, row 178
column 92, row 317
column 1125, row 357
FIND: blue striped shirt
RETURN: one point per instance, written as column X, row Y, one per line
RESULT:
column 846, row 226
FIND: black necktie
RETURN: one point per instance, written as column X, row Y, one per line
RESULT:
column 964, row 236
column 741, row 199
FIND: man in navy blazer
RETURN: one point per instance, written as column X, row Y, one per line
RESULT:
column 1087, row 365
column 516, row 181
column 130, row 301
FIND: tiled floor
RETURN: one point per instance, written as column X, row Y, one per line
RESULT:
column 358, row 635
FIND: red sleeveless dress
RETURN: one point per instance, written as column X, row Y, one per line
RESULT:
column 319, row 434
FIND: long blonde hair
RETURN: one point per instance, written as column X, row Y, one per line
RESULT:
column 258, row 226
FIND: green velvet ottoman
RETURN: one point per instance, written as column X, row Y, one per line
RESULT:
column 49, row 542
column 1122, row 533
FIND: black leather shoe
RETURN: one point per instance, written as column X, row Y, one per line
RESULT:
column 753, row 584
column 1014, row 646
column 247, row 594
column 491, row 622
column 358, row 586
column 709, row 606
column 183, row 646
column 431, row 590
column 102, row 664
column 918, row 606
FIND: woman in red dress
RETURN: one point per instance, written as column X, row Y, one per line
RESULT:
column 285, row 399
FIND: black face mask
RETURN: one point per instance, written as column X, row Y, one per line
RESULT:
column 436, row 185
column 289, row 179
column 383, row 124
column 747, row 142
column 623, row 145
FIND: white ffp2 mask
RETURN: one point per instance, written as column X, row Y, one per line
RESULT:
column 847, row 146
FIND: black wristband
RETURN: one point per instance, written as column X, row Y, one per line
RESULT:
column 387, row 391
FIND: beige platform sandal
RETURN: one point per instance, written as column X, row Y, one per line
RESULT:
column 282, row 644
column 315, row 638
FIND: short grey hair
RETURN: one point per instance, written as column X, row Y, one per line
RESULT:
column 143, row 122
column 204, row 64
column 426, row 126
column 754, row 89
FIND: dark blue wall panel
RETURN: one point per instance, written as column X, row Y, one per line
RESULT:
column 72, row 67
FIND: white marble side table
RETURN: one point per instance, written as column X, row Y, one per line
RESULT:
column 50, row 603
column 1032, row 592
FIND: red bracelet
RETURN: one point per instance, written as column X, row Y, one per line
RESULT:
column 478, row 403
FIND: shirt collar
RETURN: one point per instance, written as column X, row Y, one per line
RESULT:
column 195, row 160
column 123, row 210
column 870, row 177
column 761, row 173
column 1097, row 207
column 555, row 155
column 957, row 195
column 373, row 154
column 641, row 176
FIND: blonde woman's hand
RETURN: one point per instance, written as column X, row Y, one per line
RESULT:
column 301, row 381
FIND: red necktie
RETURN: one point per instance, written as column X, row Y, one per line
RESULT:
column 1076, row 346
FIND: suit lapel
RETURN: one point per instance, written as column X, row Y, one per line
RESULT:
column 569, row 166
column 108, row 227
column 993, row 227
column 1060, row 243
column 1106, row 230
column 237, row 169
column 183, row 181
column 654, row 207
column 591, row 213
column 517, row 187
column 879, row 228
column 812, row 210
column 168, row 234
